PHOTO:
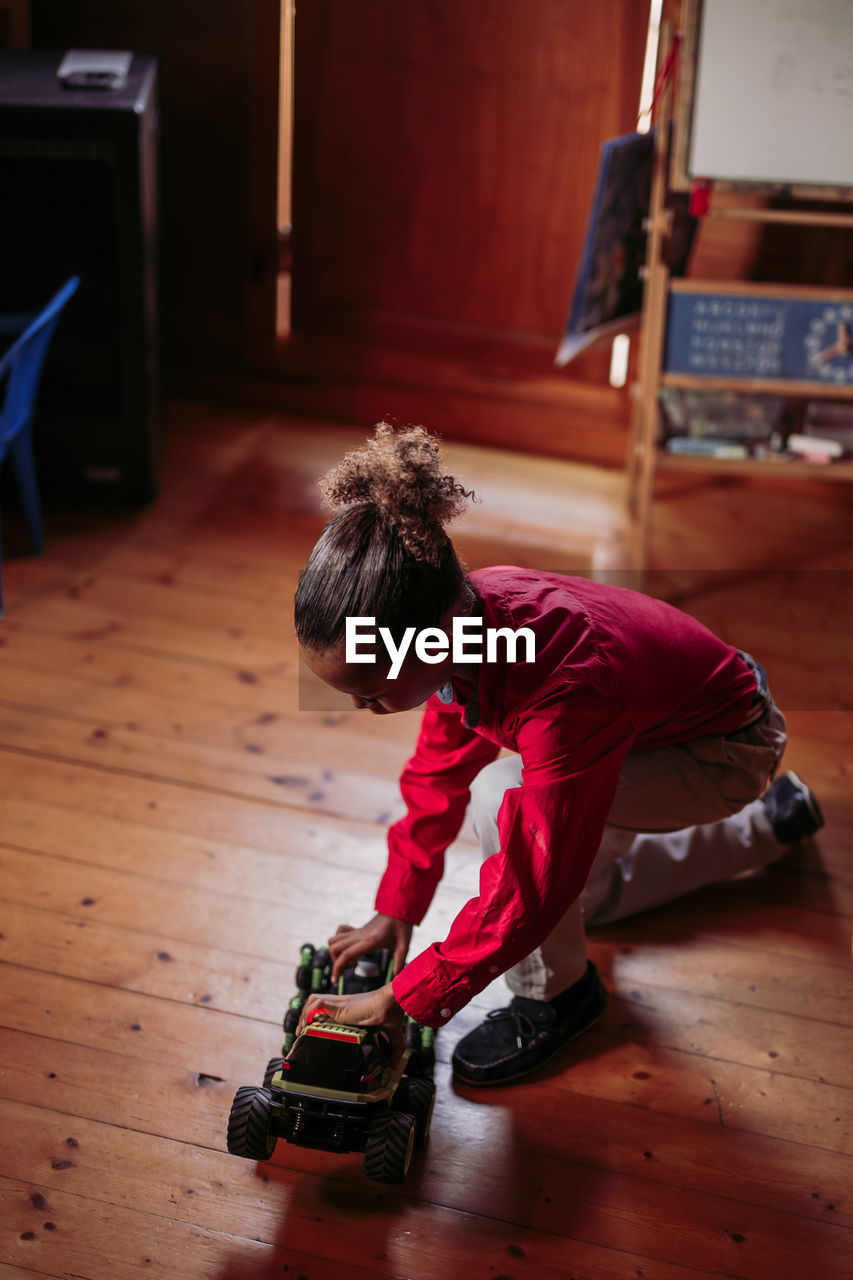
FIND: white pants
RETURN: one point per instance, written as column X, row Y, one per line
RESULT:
column 683, row 816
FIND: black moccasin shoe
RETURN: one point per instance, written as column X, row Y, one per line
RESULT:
column 514, row 1041
column 792, row 809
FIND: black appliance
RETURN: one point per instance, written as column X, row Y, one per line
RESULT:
column 79, row 196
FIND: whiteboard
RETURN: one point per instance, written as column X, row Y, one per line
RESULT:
column 773, row 98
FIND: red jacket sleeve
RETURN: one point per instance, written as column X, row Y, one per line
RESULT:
column 435, row 786
column 550, row 829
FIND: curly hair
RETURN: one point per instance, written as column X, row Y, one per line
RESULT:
column 386, row 555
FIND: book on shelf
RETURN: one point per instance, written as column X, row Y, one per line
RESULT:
column 728, row 425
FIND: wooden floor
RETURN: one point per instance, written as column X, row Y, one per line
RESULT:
column 174, row 827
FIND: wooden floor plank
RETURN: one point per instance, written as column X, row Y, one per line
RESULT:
column 102, row 840
column 84, row 917
column 258, row 745
column 100, row 1241
column 705, row 1126
column 296, row 848
column 624, row 1061
column 231, row 644
column 238, row 770
column 175, row 1104
column 716, row 914
column 223, row 1193
column 388, row 1241
column 10, row 1272
column 205, row 917
column 96, row 1082
column 172, row 807
column 825, row 893
column 218, row 703
column 192, row 1037
column 264, row 693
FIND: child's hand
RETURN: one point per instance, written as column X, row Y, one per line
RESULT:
column 369, row 1009
column 349, row 944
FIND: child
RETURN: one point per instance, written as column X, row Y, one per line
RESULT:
column 643, row 748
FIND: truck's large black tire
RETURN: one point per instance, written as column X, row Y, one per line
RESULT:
column 390, row 1144
column 249, row 1131
column 417, row 1097
column 273, row 1065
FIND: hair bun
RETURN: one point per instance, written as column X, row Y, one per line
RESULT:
column 400, row 473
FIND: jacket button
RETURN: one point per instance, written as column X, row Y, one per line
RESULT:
column 446, row 1013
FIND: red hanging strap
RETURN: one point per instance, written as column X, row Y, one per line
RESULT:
column 700, row 197
column 666, row 70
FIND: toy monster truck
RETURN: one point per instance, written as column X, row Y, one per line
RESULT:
column 337, row 1088
column 314, row 977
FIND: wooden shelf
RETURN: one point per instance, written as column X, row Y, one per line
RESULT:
column 758, row 386
column 787, row 217
column 776, row 468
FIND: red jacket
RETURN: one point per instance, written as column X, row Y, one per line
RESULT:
column 615, row 671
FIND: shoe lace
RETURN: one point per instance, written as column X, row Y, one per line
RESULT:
column 525, row 1028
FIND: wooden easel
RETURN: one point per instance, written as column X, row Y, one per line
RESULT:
column 643, row 454
column 644, row 409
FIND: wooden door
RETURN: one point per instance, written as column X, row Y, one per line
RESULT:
column 445, row 155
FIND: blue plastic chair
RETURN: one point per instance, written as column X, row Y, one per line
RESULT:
column 20, row 369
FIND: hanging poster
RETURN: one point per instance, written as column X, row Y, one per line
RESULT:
column 608, row 286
